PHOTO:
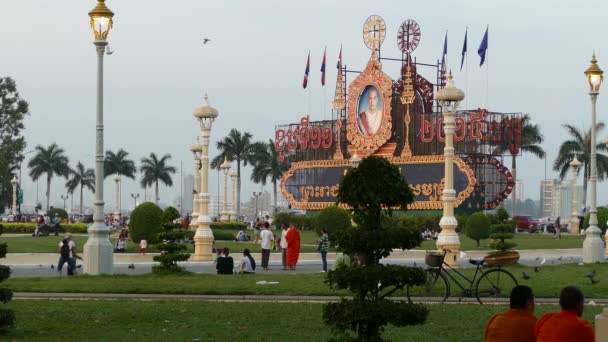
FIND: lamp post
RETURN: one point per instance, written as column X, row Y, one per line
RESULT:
column 203, row 238
column 576, row 166
column 196, row 153
column 225, row 168
column 98, row 250
column 593, row 246
column 233, row 176
column 14, row 207
column 134, row 197
column 449, row 98
column 64, row 198
column 256, row 195
column 117, row 198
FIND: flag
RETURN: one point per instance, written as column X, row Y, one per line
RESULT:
column 483, row 47
column 323, row 69
column 305, row 82
column 464, row 49
column 443, row 58
column 339, row 59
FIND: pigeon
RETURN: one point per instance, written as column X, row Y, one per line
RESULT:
column 537, row 258
column 108, row 50
column 52, row 267
column 536, row 269
column 206, row 40
column 542, row 262
column 591, row 275
column 560, row 258
column 525, row 276
column 414, row 264
column 132, row 266
column 594, row 281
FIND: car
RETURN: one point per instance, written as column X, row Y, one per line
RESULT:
column 527, row 223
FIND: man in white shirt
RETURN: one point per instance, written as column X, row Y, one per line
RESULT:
column 283, row 245
column 67, row 253
column 266, row 238
column 371, row 119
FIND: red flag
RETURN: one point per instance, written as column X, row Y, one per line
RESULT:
column 305, row 82
column 323, row 69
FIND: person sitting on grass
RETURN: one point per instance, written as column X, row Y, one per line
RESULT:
column 241, row 236
column 247, row 264
column 225, row 263
column 517, row 323
column 566, row 325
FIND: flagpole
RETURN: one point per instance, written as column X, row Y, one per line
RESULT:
column 466, row 70
column 487, row 72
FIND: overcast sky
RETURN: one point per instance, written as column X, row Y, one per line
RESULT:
column 253, row 66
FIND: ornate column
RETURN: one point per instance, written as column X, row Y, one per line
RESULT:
column 117, row 198
column 449, row 98
column 225, row 215
column 232, row 215
column 407, row 98
column 575, row 165
column 203, row 239
column 196, row 152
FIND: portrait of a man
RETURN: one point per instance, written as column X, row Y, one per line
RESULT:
column 370, row 111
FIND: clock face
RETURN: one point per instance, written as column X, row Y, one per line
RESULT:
column 408, row 36
column 374, row 31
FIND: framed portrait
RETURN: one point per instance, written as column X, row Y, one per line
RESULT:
column 369, row 109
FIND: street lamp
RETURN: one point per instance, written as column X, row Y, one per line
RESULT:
column 196, row 152
column 225, row 168
column 117, row 199
column 233, row 176
column 449, row 98
column 203, row 238
column 576, row 166
column 593, row 246
column 14, row 184
column 256, row 195
column 98, row 250
column 134, row 197
column 355, row 160
column 64, row 198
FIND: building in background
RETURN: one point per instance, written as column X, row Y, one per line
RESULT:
column 556, row 198
column 547, row 195
column 188, row 194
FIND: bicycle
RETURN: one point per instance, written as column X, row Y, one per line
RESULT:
column 493, row 283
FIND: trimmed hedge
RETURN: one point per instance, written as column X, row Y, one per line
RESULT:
column 145, row 223
column 28, row 228
column 228, row 225
column 223, row 236
column 478, row 227
column 303, row 222
column 334, row 219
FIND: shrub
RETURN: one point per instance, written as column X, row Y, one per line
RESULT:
column 502, row 215
column 303, row 222
column 7, row 317
column 145, row 223
column 462, row 222
column 171, row 251
column 602, row 217
column 170, row 214
column 63, row 215
column 334, row 219
column 28, row 228
column 478, row 227
column 219, row 235
column 500, row 233
column 228, row 225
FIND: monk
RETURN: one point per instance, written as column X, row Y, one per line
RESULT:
column 516, row 324
column 565, row 326
column 293, row 246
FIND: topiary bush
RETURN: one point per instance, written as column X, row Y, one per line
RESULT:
column 502, row 215
column 228, row 225
column 170, row 214
column 7, row 317
column 145, row 223
column 602, row 217
column 374, row 185
column 478, row 227
column 63, row 215
column 219, row 235
column 499, row 233
column 334, row 219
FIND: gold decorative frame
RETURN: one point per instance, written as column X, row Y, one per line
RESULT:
column 419, row 205
column 360, row 143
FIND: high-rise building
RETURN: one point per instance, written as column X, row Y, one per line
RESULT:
column 556, row 198
column 548, row 189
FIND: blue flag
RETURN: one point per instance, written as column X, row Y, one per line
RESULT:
column 464, row 49
column 483, row 47
column 445, row 49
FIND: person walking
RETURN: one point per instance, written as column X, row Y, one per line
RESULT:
column 323, row 246
column 283, row 245
column 67, row 253
column 247, row 263
column 293, row 246
column 266, row 238
column 56, row 221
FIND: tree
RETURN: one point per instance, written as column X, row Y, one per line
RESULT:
column 580, row 143
column 83, row 178
column 237, row 147
column 154, row 170
column 478, row 227
column 7, row 316
column 50, row 161
column 267, row 165
column 375, row 184
column 118, row 164
column 531, row 138
column 12, row 143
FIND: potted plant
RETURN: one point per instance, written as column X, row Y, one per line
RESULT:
column 504, row 253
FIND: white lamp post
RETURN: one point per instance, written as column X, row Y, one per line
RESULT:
column 225, row 216
column 203, row 239
column 117, row 198
column 98, row 250
column 233, row 176
column 256, row 195
column 64, row 198
column 576, row 166
column 593, row 246
column 14, row 207
column 196, row 153
column 134, row 197
column 449, row 98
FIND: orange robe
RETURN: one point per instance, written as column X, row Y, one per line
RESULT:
column 293, row 246
column 563, row 326
column 511, row 325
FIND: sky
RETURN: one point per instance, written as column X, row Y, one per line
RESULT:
column 252, row 70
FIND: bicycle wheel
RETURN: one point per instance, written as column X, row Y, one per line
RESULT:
column 494, row 284
column 436, row 286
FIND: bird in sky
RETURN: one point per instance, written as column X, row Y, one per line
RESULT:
column 206, row 40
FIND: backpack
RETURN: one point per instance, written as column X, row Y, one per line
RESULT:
column 65, row 249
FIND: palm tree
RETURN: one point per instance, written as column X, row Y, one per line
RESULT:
column 155, row 170
column 580, row 143
column 266, row 166
column 118, row 164
column 237, row 147
column 531, row 138
column 50, row 161
column 83, row 178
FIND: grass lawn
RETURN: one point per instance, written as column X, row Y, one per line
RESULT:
column 49, row 244
column 523, row 241
column 104, row 320
column 546, row 283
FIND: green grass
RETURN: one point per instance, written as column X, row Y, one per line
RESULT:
column 546, row 283
column 124, row 320
column 523, row 241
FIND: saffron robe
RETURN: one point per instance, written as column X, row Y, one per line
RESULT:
column 293, row 246
column 563, row 326
column 511, row 325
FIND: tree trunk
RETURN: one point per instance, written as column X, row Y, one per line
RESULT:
column 48, row 191
column 81, row 214
column 274, row 190
column 238, row 188
column 514, row 193
column 156, row 194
